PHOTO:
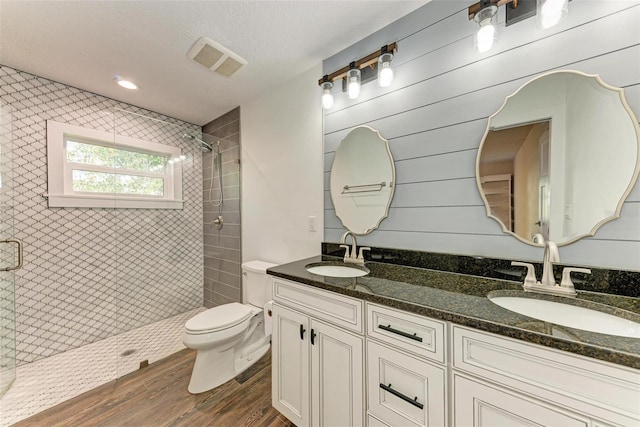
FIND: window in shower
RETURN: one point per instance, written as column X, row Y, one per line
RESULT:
column 90, row 168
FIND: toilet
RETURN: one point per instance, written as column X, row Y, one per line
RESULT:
column 230, row 338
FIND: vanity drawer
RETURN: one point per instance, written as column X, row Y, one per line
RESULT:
column 404, row 390
column 324, row 305
column 374, row 422
column 586, row 385
column 417, row 334
column 477, row 403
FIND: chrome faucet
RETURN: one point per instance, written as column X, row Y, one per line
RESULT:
column 352, row 257
column 551, row 255
column 548, row 283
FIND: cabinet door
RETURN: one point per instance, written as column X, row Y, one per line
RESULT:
column 481, row 404
column 290, row 365
column 337, row 383
column 404, row 390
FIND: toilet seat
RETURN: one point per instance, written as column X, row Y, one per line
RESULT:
column 218, row 318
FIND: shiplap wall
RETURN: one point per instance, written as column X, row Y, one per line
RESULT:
column 435, row 114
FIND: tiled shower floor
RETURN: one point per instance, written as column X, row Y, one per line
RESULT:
column 50, row 381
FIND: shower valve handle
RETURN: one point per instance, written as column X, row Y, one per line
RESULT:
column 218, row 222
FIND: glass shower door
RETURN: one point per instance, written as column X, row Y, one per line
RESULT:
column 8, row 263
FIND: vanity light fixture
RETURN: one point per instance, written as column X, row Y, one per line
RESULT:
column 375, row 65
column 487, row 21
column 354, row 79
column 484, row 13
column 327, row 98
column 385, row 72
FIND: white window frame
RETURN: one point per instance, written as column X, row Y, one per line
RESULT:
column 60, row 185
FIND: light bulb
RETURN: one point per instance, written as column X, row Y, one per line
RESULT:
column 183, row 157
column 487, row 20
column 327, row 98
column 485, row 37
column 385, row 72
column 354, row 88
column 551, row 12
column 386, row 76
column 353, row 81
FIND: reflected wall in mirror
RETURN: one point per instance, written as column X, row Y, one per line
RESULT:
column 362, row 180
column 559, row 158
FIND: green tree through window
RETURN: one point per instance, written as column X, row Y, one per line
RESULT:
column 126, row 162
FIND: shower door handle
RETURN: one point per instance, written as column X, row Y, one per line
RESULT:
column 19, row 243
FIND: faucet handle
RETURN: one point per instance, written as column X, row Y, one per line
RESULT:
column 530, row 279
column 346, row 247
column 361, row 255
column 566, row 276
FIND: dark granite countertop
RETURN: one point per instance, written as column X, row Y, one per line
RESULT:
column 462, row 299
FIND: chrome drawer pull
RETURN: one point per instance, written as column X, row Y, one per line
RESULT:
column 406, row 398
column 397, row 332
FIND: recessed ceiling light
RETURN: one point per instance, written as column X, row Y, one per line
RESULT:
column 127, row 84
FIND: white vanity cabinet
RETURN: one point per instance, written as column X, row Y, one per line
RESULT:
column 317, row 356
column 502, row 381
column 408, row 370
column 406, row 376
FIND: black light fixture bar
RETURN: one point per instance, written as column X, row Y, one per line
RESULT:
column 361, row 63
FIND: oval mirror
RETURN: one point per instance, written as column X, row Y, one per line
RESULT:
column 362, row 180
column 559, row 158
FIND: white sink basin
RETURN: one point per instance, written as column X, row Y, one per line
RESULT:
column 569, row 315
column 336, row 270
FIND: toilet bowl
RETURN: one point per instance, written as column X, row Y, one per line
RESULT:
column 230, row 338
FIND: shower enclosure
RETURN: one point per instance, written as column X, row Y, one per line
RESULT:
column 93, row 277
column 7, row 261
column 158, row 266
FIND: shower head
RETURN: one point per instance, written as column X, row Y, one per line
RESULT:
column 203, row 145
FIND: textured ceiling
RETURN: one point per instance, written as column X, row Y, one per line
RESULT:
column 85, row 43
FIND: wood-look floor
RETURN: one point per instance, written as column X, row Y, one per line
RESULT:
column 157, row 396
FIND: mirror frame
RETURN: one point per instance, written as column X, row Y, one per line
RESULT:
column 623, row 198
column 392, row 182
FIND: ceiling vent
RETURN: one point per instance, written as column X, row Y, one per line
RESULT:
column 215, row 57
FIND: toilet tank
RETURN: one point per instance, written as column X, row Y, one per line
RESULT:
column 256, row 284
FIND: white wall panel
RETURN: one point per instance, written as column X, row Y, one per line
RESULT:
column 459, row 164
column 281, row 171
column 524, row 61
column 403, row 27
column 435, row 114
column 427, row 53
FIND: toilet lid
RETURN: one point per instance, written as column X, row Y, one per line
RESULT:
column 218, row 318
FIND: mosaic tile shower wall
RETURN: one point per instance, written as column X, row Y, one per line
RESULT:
column 92, row 273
